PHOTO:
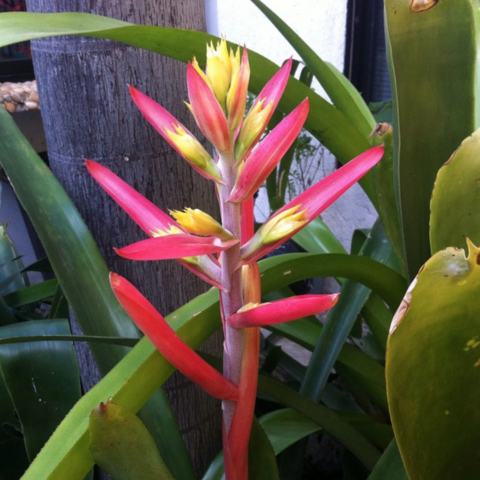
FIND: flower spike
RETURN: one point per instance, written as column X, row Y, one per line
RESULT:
column 262, row 110
column 173, row 247
column 265, row 157
column 177, row 135
column 281, row 311
column 310, row 203
column 163, row 337
column 207, row 111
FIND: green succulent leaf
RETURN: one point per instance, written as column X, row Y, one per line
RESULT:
column 433, row 66
column 455, row 197
column 122, row 447
column 433, row 369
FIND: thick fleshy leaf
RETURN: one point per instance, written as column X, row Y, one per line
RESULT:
column 163, row 337
column 173, row 246
column 433, row 369
column 207, row 111
column 143, row 212
column 283, row 310
column 316, row 199
column 133, row 454
column 265, row 157
column 176, row 134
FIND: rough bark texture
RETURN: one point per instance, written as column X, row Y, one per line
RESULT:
column 87, row 113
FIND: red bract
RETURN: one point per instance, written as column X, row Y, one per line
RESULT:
column 143, row 212
column 265, row 157
column 314, row 201
column 178, row 136
column 261, row 112
column 173, row 246
column 207, row 111
column 282, row 311
column 159, row 332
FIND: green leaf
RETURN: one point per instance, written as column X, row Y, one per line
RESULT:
column 434, row 61
column 383, row 181
column 456, row 194
column 317, row 237
column 122, row 447
column 80, row 268
column 33, row 294
column 262, row 463
column 11, row 265
column 433, row 369
column 42, row 379
column 390, row 465
column 285, row 427
column 126, row 342
column 326, row 418
column 341, row 319
column 342, row 93
column 325, row 122
column 296, row 266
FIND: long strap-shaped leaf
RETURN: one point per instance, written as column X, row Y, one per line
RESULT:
column 80, row 269
column 342, row 93
column 325, row 122
column 434, row 62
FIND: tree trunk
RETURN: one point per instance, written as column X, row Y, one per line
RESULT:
column 87, row 113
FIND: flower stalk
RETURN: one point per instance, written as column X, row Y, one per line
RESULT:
column 225, row 253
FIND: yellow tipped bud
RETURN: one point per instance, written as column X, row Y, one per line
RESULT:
column 248, row 306
column 283, row 224
column 173, row 230
column 200, row 223
column 219, row 70
column 196, row 66
column 252, row 127
column 193, row 151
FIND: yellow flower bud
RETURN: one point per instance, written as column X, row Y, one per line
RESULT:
column 200, row 223
column 283, row 224
column 219, row 70
column 193, row 151
column 252, row 127
column 173, row 230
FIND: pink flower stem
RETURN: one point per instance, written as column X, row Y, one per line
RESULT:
column 232, row 280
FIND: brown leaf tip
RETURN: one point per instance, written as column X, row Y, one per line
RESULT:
column 419, row 6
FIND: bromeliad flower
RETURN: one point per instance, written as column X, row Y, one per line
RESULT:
column 225, row 254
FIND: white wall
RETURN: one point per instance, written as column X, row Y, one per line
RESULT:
column 321, row 23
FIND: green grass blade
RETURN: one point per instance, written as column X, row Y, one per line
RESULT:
column 35, row 293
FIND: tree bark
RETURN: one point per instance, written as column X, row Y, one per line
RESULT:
column 87, row 113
